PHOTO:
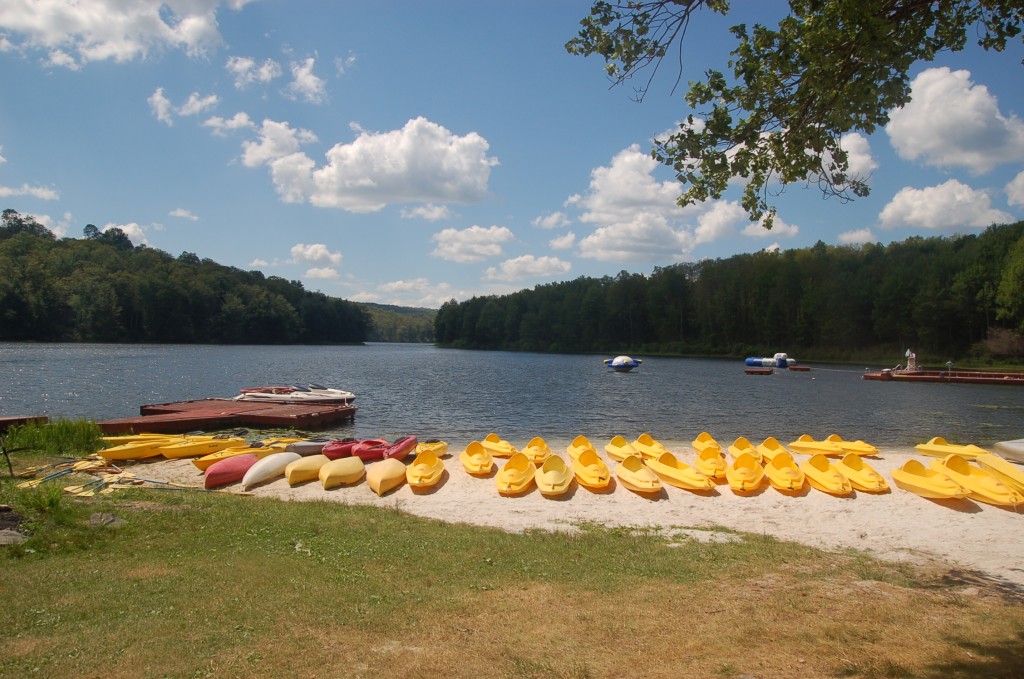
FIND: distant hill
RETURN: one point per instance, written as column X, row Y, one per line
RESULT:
column 390, row 323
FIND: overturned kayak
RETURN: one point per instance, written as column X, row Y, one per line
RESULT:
column 385, row 475
column 270, row 467
column 228, row 470
column 343, row 471
column 306, row 468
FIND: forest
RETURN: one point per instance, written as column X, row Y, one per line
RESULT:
column 102, row 288
column 945, row 297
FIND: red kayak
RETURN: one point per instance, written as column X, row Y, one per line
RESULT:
column 400, row 448
column 229, row 470
column 339, row 448
column 370, row 450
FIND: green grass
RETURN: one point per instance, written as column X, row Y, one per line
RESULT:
column 61, row 437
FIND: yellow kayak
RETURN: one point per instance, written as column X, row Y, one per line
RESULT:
column 784, row 474
column 196, row 447
column 745, row 475
column 425, row 470
column 771, row 447
column 742, row 446
column 1004, row 470
column 940, row 447
column 137, row 450
column 343, row 471
column 578, row 445
column 385, row 475
column 825, row 476
column 648, row 446
column 537, row 450
column 305, row 469
column 435, row 446
column 497, row 446
column 914, row 477
column 260, row 450
column 554, row 477
column 858, row 446
column 476, row 459
column 705, row 441
column 591, row 471
column 636, row 476
column 861, row 475
column 619, row 448
column 711, row 464
column 516, row 476
column 980, row 484
column 675, row 472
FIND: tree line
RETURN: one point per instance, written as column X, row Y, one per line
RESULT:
column 102, row 288
column 943, row 296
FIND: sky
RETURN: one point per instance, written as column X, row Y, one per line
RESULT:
column 412, row 152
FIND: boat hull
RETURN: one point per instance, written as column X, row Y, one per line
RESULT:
column 343, row 471
column 386, row 475
column 270, row 467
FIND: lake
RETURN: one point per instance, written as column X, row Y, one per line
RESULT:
column 463, row 395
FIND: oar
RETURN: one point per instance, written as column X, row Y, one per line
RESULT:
column 35, row 482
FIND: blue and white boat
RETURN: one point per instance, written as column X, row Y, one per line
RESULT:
column 777, row 361
column 622, row 364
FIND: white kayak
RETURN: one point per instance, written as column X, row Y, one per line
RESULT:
column 270, row 467
column 1011, row 450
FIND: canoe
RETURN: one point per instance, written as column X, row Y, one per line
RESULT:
column 705, row 441
column 861, row 475
column 342, row 471
column 591, row 471
column 308, row 446
column 711, row 464
column 260, row 450
column 339, row 448
column 677, row 473
column 476, row 459
column 648, row 446
column 537, row 450
column 306, row 468
column 370, row 450
column 401, row 447
column 1007, row 472
column 196, row 447
column 940, row 447
column 497, row 446
column 435, row 446
column 783, row 473
column 914, row 477
column 744, row 475
column 425, row 471
column 554, row 477
column 825, row 476
column 578, row 445
column 979, row 483
column 619, row 448
column 808, row 446
column 228, row 470
column 638, row 477
column 516, row 476
column 138, row 450
column 1011, row 450
column 858, row 446
column 385, row 475
column 743, row 446
column 269, row 467
column 771, row 447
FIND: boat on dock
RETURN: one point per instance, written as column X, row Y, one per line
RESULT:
column 914, row 373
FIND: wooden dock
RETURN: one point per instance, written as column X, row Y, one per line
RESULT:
column 219, row 413
column 6, row 422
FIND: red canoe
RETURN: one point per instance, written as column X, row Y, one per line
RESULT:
column 401, row 447
column 229, row 470
column 370, row 450
column 340, row 448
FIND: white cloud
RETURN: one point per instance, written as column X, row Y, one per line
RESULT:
column 259, row 262
column 71, row 34
column 164, row 110
column 1015, row 191
column 858, row 155
column 197, row 104
column 342, row 66
column 183, row 213
column 59, row 228
column 554, row 220
column 417, row 292
column 947, row 207
column 562, row 242
column 277, row 141
column 429, row 212
column 647, row 237
column 221, row 126
column 720, row 221
column 2, row 159
column 325, row 272
column 40, row 192
column 134, row 231
column 527, row 266
column 247, row 72
column 470, row 245
column 305, row 83
column 856, row 237
column 314, row 252
column 779, row 228
column 951, row 122
column 161, row 106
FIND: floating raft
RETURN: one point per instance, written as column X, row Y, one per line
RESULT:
column 215, row 413
column 948, row 376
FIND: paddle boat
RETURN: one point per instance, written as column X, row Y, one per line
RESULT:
column 677, row 473
column 711, row 464
column 228, row 470
column 267, row 468
column 497, row 446
column 940, row 447
column 914, row 477
column 704, row 441
column 435, row 446
column 554, row 477
column 807, row 445
column 476, row 459
column 636, row 476
column 578, row 445
column 779, row 360
column 537, row 450
column 306, row 468
column 783, row 473
column 769, row 448
column 745, row 475
column 980, row 484
column 861, row 475
column 619, row 448
column 743, row 446
column 648, row 446
column 825, row 476
column 622, row 364
column 1007, row 472
column 342, row 471
column 385, row 475
column 425, row 471
column 591, row 471
column 516, row 476
column 859, row 447
column 312, row 393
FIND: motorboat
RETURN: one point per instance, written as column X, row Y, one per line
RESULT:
column 622, row 364
column 311, row 393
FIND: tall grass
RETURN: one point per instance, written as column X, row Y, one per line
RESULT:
column 72, row 438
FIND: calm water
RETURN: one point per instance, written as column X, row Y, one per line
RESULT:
column 463, row 395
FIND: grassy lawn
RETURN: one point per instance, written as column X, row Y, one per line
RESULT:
column 214, row 585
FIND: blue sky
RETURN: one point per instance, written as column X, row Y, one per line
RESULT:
column 414, row 152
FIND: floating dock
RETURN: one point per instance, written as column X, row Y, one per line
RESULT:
column 220, row 413
column 6, row 422
column 948, row 376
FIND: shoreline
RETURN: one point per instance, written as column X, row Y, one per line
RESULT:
column 895, row 526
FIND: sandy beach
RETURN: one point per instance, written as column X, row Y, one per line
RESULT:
column 897, row 526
